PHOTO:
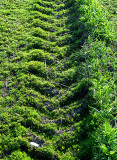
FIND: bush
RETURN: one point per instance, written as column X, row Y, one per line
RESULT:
column 18, row 155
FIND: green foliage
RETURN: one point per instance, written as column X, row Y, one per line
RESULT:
column 95, row 18
column 18, row 155
column 58, row 79
column 106, row 143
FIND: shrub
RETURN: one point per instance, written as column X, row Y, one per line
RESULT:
column 18, row 155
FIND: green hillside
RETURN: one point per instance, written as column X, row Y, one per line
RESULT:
column 58, row 79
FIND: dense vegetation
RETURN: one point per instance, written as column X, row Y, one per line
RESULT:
column 58, row 79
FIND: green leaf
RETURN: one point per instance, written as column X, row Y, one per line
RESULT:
column 112, row 152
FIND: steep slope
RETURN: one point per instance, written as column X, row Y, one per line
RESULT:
column 58, row 80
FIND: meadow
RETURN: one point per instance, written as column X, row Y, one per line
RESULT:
column 58, row 79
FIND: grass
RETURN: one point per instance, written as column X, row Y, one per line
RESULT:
column 58, row 79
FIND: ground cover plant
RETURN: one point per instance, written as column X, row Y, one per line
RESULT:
column 58, row 79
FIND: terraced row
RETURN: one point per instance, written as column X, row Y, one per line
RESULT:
column 36, row 87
